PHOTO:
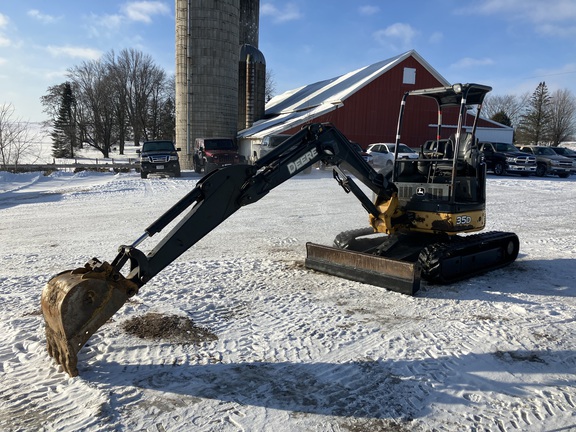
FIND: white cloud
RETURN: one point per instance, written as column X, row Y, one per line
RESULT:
column 552, row 17
column 533, row 10
column 4, row 41
column 36, row 14
column 436, row 37
column 74, row 52
column 143, row 11
column 3, row 20
column 469, row 62
column 289, row 12
column 368, row 10
column 396, row 36
column 108, row 22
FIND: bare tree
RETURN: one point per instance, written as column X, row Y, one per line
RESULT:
column 18, row 138
column 144, row 79
column 119, row 77
column 563, row 116
column 513, row 106
column 96, row 104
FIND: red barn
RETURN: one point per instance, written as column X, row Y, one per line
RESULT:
column 364, row 105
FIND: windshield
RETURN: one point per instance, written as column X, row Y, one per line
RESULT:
column 503, row 147
column 158, row 146
column 565, row 151
column 219, row 144
column 403, row 148
column 545, row 151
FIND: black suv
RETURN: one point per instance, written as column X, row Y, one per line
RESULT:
column 159, row 157
column 504, row 158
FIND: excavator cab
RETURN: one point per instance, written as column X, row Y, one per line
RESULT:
column 445, row 192
column 438, row 196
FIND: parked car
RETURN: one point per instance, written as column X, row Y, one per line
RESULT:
column 159, row 157
column 383, row 153
column 213, row 153
column 566, row 152
column 548, row 161
column 502, row 158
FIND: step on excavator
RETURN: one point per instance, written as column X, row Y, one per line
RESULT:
column 417, row 214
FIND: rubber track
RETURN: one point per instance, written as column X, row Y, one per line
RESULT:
column 344, row 239
column 434, row 256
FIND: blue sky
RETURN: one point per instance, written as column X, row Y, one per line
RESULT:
column 511, row 45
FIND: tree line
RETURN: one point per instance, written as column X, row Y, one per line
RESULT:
column 108, row 101
column 542, row 118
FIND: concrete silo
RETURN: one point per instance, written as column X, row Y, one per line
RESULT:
column 206, row 71
column 209, row 36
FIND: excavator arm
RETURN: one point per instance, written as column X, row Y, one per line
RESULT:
column 222, row 192
column 76, row 303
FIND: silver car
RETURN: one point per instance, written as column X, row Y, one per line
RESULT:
column 383, row 153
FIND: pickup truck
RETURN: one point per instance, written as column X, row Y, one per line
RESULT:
column 549, row 162
column 503, row 158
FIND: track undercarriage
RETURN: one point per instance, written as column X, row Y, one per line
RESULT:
column 399, row 262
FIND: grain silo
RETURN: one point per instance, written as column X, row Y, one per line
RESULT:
column 251, row 86
column 209, row 37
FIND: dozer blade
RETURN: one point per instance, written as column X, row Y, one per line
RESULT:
column 394, row 275
column 75, row 303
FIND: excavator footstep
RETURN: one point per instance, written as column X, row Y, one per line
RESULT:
column 394, row 275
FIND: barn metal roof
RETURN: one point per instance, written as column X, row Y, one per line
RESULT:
column 296, row 107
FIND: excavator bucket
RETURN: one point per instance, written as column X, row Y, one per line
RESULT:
column 394, row 275
column 75, row 303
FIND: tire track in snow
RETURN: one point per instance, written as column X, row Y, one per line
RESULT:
column 41, row 399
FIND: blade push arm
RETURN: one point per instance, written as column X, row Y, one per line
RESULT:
column 222, row 192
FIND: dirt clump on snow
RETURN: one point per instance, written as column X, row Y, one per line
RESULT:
column 172, row 328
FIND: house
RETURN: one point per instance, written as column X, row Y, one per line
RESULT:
column 364, row 105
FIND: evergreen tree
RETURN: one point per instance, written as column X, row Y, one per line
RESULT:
column 64, row 138
column 502, row 118
column 535, row 124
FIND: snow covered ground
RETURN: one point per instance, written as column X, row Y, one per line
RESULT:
column 296, row 350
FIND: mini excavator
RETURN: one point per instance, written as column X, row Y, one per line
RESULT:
column 417, row 214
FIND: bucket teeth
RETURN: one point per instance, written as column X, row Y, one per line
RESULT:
column 76, row 303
